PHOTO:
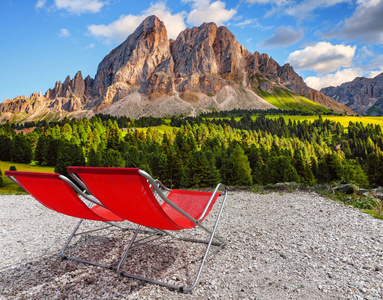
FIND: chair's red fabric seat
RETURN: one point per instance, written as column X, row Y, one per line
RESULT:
column 192, row 202
column 59, row 196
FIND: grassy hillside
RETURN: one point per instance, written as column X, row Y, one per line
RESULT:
column 287, row 100
column 12, row 188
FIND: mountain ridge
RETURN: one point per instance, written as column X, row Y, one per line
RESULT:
column 364, row 95
column 204, row 69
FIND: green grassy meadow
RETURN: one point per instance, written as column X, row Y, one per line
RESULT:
column 12, row 188
column 343, row 120
column 162, row 129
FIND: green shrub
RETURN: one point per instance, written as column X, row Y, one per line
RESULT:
column 1, row 179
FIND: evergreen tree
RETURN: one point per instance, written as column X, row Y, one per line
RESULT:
column 302, row 168
column 113, row 141
column 360, row 177
column 256, row 173
column 199, row 172
column 352, row 172
column 69, row 155
column 1, row 179
column 94, row 159
column 132, row 157
column 235, row 168
column 289, row 172
column 21, row 150
column 157, row 165
column 334, row 164
column 322, row 172
column 299, row 164
column 66, row 131
column 5, row 148
column 113, row 158
column 182, row 147
column 374, row 168
column 41, row 150
column 173, row 172
column 52, row 151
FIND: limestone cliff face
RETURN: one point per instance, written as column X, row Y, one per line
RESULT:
column 205, row 68
column 133, row 62
column 364, row 95
column 76, row 87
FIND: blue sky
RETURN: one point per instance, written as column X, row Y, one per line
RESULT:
column 328, row 42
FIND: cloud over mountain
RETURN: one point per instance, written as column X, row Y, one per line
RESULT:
column 323, row 57
column 118, row 30
column 283, row 36
column 206, row 11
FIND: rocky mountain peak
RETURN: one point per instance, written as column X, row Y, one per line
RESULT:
column 193, row 52
column 75, row 87
column 364, row 95
column 135, row 59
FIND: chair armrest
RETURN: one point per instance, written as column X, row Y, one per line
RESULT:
column 161, row 185
column 76, row 188
column 14, row 180
column 78, row 180
column 157, row 189
column 211, row 199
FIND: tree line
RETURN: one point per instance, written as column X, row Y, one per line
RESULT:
column 200, row 152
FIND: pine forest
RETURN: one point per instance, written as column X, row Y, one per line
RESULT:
column 198, row 152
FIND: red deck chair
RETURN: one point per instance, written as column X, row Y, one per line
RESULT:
column 131, row 194
column 57, row 193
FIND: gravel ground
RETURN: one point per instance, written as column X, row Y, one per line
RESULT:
column 280, row 246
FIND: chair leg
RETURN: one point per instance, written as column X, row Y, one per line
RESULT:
column 205, row 256
column 126, row 252
column 73, row 234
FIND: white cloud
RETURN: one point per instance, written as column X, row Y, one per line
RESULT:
column 375, row 73
column 64, row 32
column 283, row 36
column 120, row 29
column 90, row 46
column 366, row 23
column 204, row 11
column 334, row 79
column 79, row 7
column 174, row 23
column 252, row 22
column 323, row 57
column 277, row 2
column 40, row 4
column 364, row 52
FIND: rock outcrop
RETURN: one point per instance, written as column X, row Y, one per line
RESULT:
column 205, row 68
column 363, row 95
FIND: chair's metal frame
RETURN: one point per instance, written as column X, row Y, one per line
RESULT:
column 220, row 242
column 93, row 200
